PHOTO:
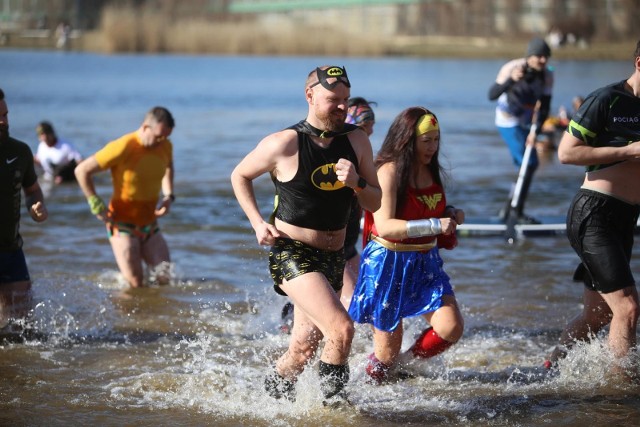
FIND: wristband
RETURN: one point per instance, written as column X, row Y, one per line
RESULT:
column 362, row 183
column 424, row 227
column 96, row 204
column 452, row 211
column 170, row 197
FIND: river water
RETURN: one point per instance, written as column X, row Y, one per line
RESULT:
column 196, row 352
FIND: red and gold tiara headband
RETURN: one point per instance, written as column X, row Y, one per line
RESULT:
column 426, row 123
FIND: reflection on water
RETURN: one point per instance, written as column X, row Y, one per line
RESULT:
column 195, row 352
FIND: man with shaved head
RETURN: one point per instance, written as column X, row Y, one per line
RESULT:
column 316, row 165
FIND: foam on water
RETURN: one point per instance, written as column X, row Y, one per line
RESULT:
column 491, row 376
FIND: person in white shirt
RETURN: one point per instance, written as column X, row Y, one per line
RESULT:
column 57, row 157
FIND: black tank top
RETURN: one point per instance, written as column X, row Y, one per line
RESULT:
column 315, row 198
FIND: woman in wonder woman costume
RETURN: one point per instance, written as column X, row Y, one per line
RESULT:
column 401, row 272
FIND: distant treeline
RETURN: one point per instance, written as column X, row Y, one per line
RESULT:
column 583, row 29
column 175, row 26
column 134, row 29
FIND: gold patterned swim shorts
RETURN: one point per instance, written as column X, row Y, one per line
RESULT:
column 290, row 258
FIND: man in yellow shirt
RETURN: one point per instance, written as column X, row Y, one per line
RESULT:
column 141, row 165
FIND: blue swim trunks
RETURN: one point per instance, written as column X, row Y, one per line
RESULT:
column 13, row 267
column 393, row 285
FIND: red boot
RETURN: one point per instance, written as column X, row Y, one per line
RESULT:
column 376, row 370
column 429, row 344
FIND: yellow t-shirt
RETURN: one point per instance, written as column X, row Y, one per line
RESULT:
column 137, row 173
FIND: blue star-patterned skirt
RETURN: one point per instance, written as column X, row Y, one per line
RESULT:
column 394, row 285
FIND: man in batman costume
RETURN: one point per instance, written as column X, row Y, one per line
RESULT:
column 316, row 165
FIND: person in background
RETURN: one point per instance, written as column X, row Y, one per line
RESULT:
column 401, row 271
column 520, row 85
column 57, row 157
column 141, row 165
column 604, row 136
column 63, row 35
column 554, row 126
column 360, row 114
column 17, row 174
column 566, row 116
column 317, row 165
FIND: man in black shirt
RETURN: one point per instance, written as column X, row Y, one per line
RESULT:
column 17, row 173
column 604, row 136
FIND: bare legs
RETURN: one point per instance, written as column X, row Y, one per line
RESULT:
column 349, row 278
column 618, row 309
column 130, row 252
column 318, row 314
column 446, row 328
column 15, row 301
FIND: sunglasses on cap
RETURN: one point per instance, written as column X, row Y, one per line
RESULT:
column 330, row 77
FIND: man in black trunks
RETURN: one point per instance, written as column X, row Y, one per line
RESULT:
column 604, row 136
column 316, row 165
column 17, row 173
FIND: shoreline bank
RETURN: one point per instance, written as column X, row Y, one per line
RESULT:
column 409, row 46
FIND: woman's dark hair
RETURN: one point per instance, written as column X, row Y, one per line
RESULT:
column 399, row 147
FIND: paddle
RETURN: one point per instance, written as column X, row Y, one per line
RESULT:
column 512, row 215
